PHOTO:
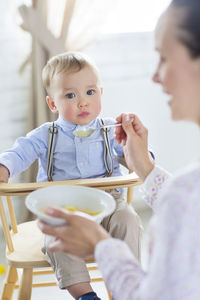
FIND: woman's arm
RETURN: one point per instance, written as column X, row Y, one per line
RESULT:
column 134, row 137
column 173, row 270
column 153, row 185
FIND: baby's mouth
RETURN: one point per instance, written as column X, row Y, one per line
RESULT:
column 84, row 114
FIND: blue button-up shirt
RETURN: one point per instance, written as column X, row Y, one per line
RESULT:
column 74, row 157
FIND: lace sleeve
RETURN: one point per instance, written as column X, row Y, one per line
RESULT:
column 153, row 185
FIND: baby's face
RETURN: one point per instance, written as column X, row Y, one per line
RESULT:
column 76, row 96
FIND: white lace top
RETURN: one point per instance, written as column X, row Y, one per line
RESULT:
column 174, row 258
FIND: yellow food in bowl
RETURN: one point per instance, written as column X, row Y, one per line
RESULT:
column 74, row 209
column 86, row 211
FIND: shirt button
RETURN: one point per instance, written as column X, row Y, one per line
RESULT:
column 80, row 164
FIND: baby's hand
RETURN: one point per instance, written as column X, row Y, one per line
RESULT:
column 4, row 174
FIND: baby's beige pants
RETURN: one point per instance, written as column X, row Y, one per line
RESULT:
column 124, row 224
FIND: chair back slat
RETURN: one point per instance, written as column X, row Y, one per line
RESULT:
column 5, row 226
column 11, row 211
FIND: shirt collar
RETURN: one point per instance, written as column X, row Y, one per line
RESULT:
column 71, row 126
column 65, row 124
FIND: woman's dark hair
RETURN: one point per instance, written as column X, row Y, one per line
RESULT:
column 189, row 24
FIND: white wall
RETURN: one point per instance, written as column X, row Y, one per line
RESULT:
column 14, row 88
column 126, row 63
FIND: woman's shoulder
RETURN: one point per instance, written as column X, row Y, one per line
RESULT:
column 188, row 176
column 184, row 187
column 180, row 200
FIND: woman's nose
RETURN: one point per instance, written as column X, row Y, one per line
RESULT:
column 156, row 77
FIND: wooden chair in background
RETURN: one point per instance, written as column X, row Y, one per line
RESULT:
column 24, row 241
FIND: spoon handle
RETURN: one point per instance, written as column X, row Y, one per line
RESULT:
column 111, row 125
column 114, row 125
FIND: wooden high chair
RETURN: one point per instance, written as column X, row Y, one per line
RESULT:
column 24, row 241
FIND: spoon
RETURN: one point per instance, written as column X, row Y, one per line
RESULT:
column 83, row 132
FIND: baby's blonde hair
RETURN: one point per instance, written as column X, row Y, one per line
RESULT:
column 66, row 62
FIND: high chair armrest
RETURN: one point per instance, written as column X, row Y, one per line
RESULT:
column 10, row 189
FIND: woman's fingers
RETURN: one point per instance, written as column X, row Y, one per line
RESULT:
column 57, row 213
column 134, row 137
column 79, row 237
column 57, row 245
column 52, row 230
column 127, row 121
column 119, row 119
column 128, row 124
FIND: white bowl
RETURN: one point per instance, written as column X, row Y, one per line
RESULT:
column 69, row 195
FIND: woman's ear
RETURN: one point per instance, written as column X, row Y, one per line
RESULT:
column 51, row 104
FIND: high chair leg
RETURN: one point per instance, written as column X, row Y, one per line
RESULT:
column 25, row 288
column 9, row 284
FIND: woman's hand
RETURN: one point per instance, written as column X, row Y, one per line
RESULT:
column 78, row 237
column 134, row 137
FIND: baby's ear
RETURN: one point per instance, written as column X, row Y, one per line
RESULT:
column 101, row 90
column 51, row 104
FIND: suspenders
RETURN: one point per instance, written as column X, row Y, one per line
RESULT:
column 51, row 146
column 107, row 150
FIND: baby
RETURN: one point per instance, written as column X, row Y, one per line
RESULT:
column 74, row 92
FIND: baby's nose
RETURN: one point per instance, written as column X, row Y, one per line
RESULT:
column 82, row 102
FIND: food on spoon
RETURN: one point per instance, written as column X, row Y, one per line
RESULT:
column 81, row 133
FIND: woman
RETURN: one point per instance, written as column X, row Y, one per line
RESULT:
column 174, row 267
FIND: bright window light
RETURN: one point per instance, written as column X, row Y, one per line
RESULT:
column 134, row 16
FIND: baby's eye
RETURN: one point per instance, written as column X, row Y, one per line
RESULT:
column 90, row 92
column 70, row 95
